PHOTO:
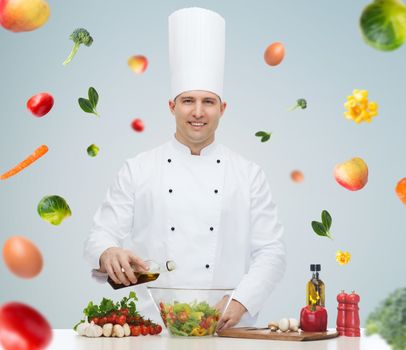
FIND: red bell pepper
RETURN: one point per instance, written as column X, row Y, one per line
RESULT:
column 313, row 318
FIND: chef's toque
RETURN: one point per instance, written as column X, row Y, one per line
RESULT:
column 196, row 51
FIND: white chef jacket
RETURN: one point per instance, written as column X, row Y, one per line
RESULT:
column 212, row 214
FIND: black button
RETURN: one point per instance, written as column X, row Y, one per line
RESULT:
column 170, row 190
column 211, row 228
column 169, row 160
column 207, row 266
column 173, row 228
column 218, row 160
column 216, row 191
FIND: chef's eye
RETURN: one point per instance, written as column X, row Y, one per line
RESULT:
column 210, row 102
column 188, row 100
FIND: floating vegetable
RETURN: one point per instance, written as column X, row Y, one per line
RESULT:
column 38, row 153
column 323, row 228
column 359, row 109
column 79, row 36
column 300, row 103
column 53, row 209
column 40, row 104
column 383, row 24
column 89, row 105
column 401, row 190
column 265, row 136
column 297, row 176
column 23, row 15
column 274, row 54
column 343, row 258
column 22, row 328
column 92, row 150
column 22, row 257
column 352, row 174
column 137, row 125
column 138, row 64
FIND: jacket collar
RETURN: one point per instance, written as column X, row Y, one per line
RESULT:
column 209, row 150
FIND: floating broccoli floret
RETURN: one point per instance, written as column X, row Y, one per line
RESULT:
column 79, row 36
column 300, row 103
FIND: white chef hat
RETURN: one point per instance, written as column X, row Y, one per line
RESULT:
column 196, row 50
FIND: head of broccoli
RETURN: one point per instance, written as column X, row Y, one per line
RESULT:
column 389, row 320
column 79, row 36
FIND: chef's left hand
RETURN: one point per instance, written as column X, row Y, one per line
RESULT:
column 232, row 315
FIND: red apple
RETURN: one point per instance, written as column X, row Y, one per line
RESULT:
column 352, row 174
column 23, row 15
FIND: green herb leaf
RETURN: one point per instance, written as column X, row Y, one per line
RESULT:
column 93, row 97
column 266, row 137
column 260, row 133
column 326, row 219
column 319, row 228
column 86, row 105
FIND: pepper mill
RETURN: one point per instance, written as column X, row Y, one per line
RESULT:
column 341, row 298
column 352, row 315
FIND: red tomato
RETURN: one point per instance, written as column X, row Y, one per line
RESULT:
column 137, row 125
column 136, row 331
column 274, row 54
column 23, row 328
column 102, row 321
column 158, row 329
column 121, row 320
column 110, row 319
column 144, row 330
column 95, row 320
column 40, row 104
column 124, row 312
column 151, row 329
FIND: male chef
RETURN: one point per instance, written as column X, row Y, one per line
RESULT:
column 193, row 200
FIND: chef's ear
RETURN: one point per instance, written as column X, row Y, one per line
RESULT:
column 223, row 106
column 171, row 104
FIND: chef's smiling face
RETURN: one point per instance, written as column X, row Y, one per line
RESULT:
column 197, row 115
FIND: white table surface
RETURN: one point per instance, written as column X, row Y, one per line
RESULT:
column 64, row 339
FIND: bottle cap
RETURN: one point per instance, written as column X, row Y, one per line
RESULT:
column 318, row 267
column 312, row 267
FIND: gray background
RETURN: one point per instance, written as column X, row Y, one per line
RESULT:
column 326, row 59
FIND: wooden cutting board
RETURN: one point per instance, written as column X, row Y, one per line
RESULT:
column 261, row 333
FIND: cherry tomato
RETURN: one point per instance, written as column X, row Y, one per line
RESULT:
column 124, row 312
column 158, row 329
column 137, row 125
column 95, row 320
column 23, row 328
column 144, row 330
column 151, row 329
column 102, row 321
column 121, row 320
column 40, row 104
column 110, row 319
column 136, row 331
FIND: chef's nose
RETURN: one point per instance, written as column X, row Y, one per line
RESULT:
column 198, row 110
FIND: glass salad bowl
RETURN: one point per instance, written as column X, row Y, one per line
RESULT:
column 190, row 312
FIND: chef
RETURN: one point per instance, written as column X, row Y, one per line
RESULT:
column 193, row 200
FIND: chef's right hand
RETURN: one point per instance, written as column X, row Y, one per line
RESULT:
column 120, row 265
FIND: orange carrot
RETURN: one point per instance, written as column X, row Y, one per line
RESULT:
column 38, row 153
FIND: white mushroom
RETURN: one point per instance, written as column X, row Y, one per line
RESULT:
column 273, row 326
column 93, row 331
column 118, row 331
column 284, row 324
column 107, row 329
column 81, row 328
column 293, row 324
column 127, row 330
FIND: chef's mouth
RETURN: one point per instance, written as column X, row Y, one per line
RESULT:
column 197, row 124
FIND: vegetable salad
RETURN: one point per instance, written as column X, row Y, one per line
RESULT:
column 194, row 319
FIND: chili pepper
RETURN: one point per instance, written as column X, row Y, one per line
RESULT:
column 313, row 318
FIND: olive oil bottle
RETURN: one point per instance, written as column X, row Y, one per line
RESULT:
column 315, row 289
column 151, row 275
